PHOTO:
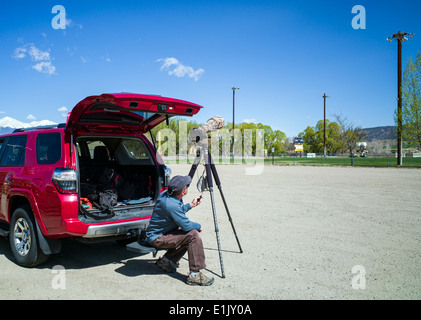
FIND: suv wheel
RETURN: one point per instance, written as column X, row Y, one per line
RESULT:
column 23, row 239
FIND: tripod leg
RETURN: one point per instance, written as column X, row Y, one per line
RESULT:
column 210, row 184
column 218, row 183
column 195, row 164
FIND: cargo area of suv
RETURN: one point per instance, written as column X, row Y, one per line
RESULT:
column 122, row 166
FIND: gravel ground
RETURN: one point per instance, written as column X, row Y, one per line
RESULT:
column 306, row 232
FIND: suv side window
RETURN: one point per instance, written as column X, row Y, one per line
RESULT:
column 48, row 148
column 136, row 149
column 14, row 153
column 92, row 145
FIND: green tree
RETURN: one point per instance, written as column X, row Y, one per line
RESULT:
column 314, row 138
column 411, row 102
column 333, row 141
column 350, row 134
column 311, row 143
column 279, row 142
column 180, row 127
column 271, row 139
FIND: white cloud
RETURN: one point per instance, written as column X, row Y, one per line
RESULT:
column 168, row 62
column 43, row 58
column 31, row 117
column 63, row 111
column 19, row 53
column 107, row 58
column 45, row 67
column 38, row 55
column 176, row 68
column 250, row 121
column 70, row 23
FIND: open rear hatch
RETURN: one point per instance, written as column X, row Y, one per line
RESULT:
column 112, row 154
column 125, row 113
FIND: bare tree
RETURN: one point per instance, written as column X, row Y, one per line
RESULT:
column 379, row 146
column 376, row 146
column 350, row 134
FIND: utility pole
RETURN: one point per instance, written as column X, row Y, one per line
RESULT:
column 233, row 116
column 324, row 124
column 400, row 37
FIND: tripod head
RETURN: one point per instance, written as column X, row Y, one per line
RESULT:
column 199, row 135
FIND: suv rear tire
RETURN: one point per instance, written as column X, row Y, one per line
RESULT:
column 24, row 240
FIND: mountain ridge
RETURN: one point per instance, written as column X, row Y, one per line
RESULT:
column 380, row 133
column 8, row 124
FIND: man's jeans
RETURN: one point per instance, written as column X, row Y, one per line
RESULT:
column 178, row 242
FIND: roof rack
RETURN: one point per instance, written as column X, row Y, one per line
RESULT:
column 55, row 126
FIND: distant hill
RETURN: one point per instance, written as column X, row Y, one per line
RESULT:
column 380, row 133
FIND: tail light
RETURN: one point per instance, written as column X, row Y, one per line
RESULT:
column 165, row 178
column 65, row 180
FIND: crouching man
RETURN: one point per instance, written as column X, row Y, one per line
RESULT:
column 169, row 228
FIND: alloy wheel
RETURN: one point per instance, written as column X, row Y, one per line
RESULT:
column 22, row 236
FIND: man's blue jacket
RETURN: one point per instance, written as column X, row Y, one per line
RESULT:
column 169, row 214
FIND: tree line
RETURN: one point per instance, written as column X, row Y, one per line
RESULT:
column 175, row 134
column 341, row 136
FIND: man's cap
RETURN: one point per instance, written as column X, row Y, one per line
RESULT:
column 178, row 183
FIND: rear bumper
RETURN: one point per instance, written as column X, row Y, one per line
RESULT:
column 79, row 229
column 114, row 229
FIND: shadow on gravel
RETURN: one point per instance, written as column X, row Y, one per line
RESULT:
column 76, row 255
column 135, row 268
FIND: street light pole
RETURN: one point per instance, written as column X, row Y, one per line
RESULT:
column 324, row 124
column 233, row 115
column 400, row 37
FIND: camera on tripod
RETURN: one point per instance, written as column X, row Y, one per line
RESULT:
column 199, row 135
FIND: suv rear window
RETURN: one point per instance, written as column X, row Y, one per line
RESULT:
column 48, row 148
column 14, row 153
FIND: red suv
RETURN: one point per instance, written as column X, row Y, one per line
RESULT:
column 96, row 177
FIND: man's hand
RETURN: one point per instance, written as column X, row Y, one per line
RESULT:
column 196, row 202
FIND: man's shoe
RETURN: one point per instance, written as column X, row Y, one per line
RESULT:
column 167, row 266
column 199, row 280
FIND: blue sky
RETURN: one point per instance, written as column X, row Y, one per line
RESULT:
column 283, row 55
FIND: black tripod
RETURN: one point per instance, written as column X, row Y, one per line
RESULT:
column 211, row 170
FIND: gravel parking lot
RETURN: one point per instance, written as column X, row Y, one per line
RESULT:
column 306, row 232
